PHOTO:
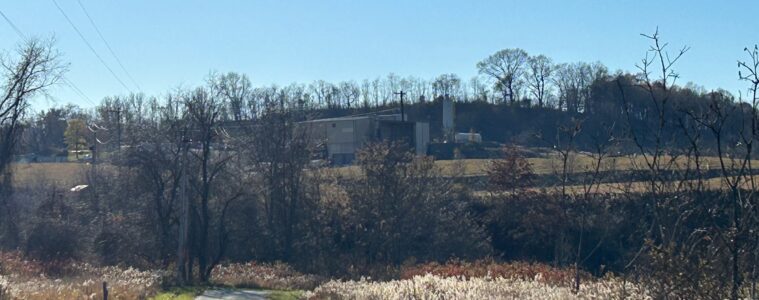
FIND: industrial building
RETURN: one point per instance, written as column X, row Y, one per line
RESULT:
column 343, row 137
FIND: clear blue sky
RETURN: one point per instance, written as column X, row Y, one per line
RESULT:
column 167, row 44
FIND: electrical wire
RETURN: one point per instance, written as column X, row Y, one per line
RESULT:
column 68, row 82
column 18, row 31
column 86, row 13
column 90, row 46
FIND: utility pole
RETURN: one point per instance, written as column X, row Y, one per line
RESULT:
column 94, row 147
column 184, row 219
column 403, row 113
column 94, row 128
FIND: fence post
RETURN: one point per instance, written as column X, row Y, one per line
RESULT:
column 105, row 290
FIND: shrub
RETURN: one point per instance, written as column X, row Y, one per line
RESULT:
column 511, row 173
column 52, row 241
column 14, row 263
column 112, row 247
column 402, row 208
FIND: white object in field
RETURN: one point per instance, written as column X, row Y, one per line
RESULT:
column 79, row 188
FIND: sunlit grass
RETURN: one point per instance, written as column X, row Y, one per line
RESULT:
column 436, row 287
column 179, row 294
column 286, row 295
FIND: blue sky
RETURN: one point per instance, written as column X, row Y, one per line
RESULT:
column 169, row 44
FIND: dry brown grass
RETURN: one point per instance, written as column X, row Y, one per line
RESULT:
column 716, row 183
column 26, row 279
column 276, row 276
column 552, row 164
column 489, row 268
column 586, row 163
column 66, row 174
column 60, row 174
column 436, row 287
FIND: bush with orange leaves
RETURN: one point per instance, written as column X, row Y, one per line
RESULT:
column 13, row 262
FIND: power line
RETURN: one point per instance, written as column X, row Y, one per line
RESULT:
column 90, row 46
column 108, row 46
column 78, row 91
column 18, row 31
column 68, row 82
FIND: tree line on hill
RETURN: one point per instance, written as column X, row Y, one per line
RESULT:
column 517, row 98
column 222, row 172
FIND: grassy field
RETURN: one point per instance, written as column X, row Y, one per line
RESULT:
column 61, row 174
column 179, row 294
column 631, row 187
column 70, row 174
column 553, row 164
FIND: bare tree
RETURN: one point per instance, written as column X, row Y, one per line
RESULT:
column 564, row 80
column 377, row 92
column 538, row 77
column 733, row 170
column 574, row 82
column 506, row 68
column 659, row 89
column 349, row 93
column 392, row 197
column 421, row 90
column 592, row 73
column 206, row 188
column 326, row 93
column 749, row 72
column 158, row 159
column 735, row 155
column 35, row 66
column 366, row 93
column 279, row 154
column 391, row 85
column 446, row 85
column 674, row 247
column 212, row 160
column 479, row 91
column 235, row 90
